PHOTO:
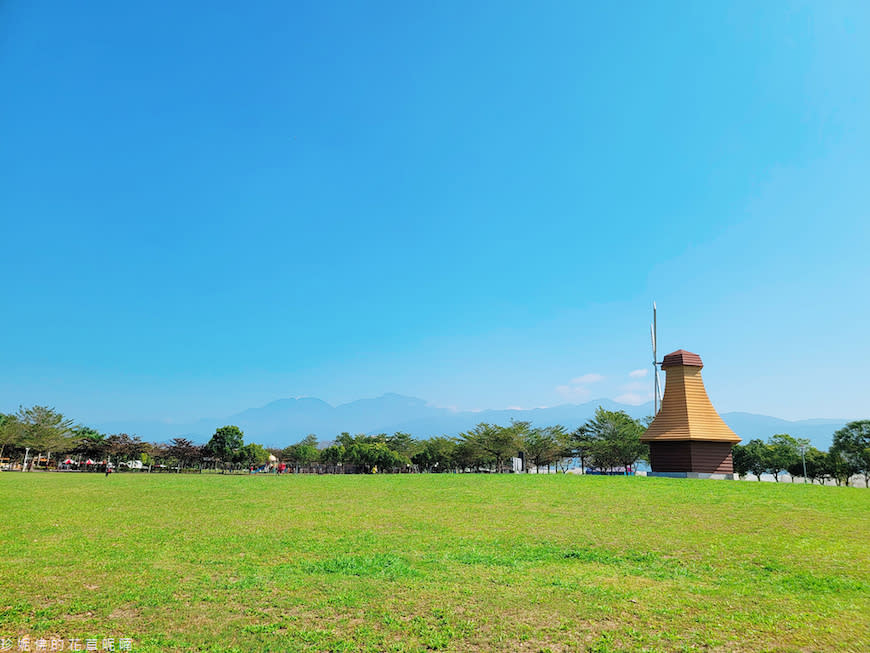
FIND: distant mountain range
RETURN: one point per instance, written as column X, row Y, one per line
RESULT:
column 287, row 421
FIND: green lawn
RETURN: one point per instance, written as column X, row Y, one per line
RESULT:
column 441, row 562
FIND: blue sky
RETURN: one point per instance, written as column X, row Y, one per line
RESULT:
column 205, row 208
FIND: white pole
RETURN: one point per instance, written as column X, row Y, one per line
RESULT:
column 656, row 361
column 24, row 467
column 655, row 329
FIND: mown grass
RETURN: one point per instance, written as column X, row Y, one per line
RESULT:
column 434, row 562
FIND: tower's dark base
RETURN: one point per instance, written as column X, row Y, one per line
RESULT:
column 691, row 456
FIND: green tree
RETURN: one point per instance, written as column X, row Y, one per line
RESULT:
column 358, row 454
column 582, row 441
column 10, row 433
column 838, row 467
column 565, row 441
column 402, row 443
column 541, row 447
column 333, row 455
column 89, row 442
column 44, row 429
column 466, row 455
column 740, row 460
column 604, row 454
column 224, row 444
column 783, row 451
column 756, row 453
column 386, row 459
column 436, row 454
column 304, row 452
column 494, row 444
column 368, row 451
column 371, row 452
column 614, row 439
column 251, row 454
column 157, row 451
column 815, row 465
column 345, row 439
column 629, row 448
column 122, row 446
column 183, row 451
column 852, row 443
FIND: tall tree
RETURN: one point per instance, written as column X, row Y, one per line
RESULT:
column 89, row 442
column 565, row 442
column 333, row 455
column 183, row 451
column 386, row 459
column 614, row 439
column 494, row 443
column 44, row 429
column 402, row 443
column 740, row 460
column 812, row 461
column 304, row 452
column 122, row 446
column 466, row 455
column 251, row 454
column 370, row 452
column 757, row 454
column 156, row 452
column 582, row 441
column 9, row 432
column 224, row 444
column 852, row 443
column 783, row 450
column 541, row 447
column 436, row 454
column 838, row 467
column 345, row 439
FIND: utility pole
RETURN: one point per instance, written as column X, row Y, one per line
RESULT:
column 804, row 461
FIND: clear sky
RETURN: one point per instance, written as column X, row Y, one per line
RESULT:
column 208, row 206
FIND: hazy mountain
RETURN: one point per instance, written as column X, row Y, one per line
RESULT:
column 568, row 415
column 749, row 426
column 286, row 421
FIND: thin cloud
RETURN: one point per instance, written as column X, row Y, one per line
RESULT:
column 587, row 378
column 573, row 392
column 576, row 390
column 633, row 398
column 638, row 374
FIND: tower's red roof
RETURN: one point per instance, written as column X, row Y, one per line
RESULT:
column 682, row 357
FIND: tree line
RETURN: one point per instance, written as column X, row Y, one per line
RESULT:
column 41, row 436
column 608, row 442
column 848, row 456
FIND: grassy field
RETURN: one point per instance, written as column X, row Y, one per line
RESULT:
column 434, row 562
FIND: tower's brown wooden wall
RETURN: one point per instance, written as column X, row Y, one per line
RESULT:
column 691, row 456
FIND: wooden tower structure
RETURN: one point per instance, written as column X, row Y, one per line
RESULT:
column 687, row 435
